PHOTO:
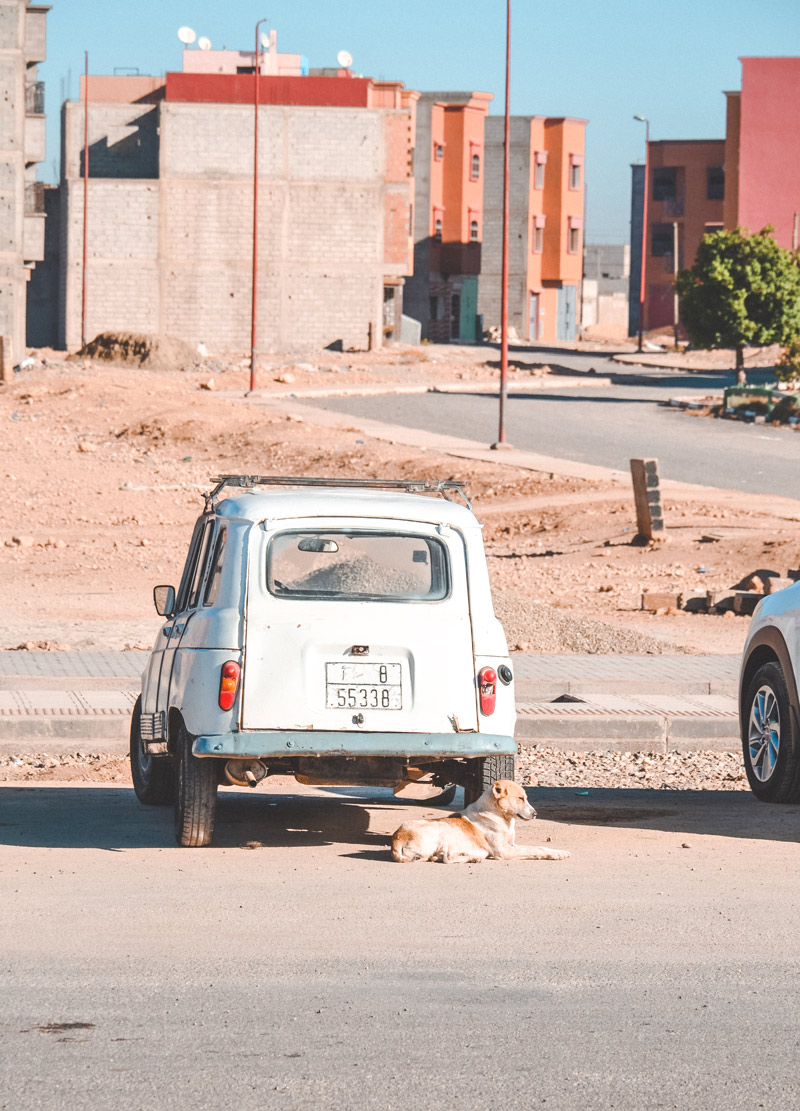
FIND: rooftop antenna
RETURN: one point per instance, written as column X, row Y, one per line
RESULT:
column 204, row 43
column 345, row 59
column 187, row 35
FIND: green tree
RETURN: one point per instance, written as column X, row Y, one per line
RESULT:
column 742, row 289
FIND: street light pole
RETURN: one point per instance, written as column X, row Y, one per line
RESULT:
column 646, row 122
column 85, row 192
column 501, row 434
column 254, row 302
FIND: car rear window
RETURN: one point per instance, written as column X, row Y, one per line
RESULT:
column 353, row 565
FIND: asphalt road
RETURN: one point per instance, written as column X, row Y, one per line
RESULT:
column 607, row 427
column 315, row 973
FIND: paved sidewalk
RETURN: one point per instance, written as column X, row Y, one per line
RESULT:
column 54, row 702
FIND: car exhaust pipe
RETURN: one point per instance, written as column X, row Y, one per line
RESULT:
column 245, row 773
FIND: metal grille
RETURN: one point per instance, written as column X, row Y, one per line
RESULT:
column 34, row 98
column 34, row 198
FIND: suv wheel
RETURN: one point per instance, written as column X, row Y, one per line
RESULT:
column 769, row 738
column 195, row 794
column 153, row 777
column 483, row 773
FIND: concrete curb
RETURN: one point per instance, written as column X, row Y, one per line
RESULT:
column 553, row 380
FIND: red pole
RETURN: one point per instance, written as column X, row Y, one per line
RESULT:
column 501, row 435
column 254, row 303
column 642, row 285
column 85, row 191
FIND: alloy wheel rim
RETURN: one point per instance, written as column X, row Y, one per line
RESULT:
column 764, row 733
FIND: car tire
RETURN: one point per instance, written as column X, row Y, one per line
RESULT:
column 196, row 783
column 769, row 737
column 153, row 776
column 485, row 771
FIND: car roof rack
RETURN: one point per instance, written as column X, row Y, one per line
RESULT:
column 409, row 485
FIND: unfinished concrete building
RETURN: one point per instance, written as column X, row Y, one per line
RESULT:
column 23, row 40
column 545, row 234
column 170, row 209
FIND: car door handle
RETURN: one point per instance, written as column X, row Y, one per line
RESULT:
column 177, row 630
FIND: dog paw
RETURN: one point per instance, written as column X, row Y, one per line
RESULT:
column 559, row 854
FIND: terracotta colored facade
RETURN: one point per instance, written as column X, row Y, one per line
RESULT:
column 449, row 177
column 748, row 180
column 686, row 187
column 763, row 137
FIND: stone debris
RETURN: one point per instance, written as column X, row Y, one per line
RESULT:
column 540, row 766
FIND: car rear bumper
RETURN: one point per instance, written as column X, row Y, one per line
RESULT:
column 257, row 743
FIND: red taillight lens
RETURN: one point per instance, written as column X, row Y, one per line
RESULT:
column 229, row 681
column 487, row 689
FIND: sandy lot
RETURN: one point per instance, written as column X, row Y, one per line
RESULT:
column 103, row 467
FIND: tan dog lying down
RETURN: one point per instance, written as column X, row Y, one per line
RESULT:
column 484, row 830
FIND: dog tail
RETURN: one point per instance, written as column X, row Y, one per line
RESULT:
column 400, row 851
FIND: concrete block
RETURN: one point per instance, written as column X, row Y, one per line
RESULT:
column 746, row 601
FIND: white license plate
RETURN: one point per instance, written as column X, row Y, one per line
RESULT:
column 363, row 686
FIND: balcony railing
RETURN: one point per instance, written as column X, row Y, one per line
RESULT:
column 34, row 198
column 34, row 98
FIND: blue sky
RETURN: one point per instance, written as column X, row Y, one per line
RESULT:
column 602, row 61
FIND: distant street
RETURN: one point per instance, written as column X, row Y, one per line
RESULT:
column 608, row 426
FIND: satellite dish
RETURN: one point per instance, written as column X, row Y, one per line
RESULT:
column 186, row 35
column 204, row 43
column 345, row 59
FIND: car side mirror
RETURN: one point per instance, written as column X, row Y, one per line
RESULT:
column 164, row 600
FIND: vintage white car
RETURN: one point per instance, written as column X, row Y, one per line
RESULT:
column 340, row 631
column 769, row 709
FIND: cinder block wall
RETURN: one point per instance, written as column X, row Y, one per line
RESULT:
column 173, row 254
column 490, row 285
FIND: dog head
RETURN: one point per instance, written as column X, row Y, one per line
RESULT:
column 510, row 799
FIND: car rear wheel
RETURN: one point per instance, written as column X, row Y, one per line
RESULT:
column 195, row 794
column 769, row 737
column 153, row 777
column 485, row 771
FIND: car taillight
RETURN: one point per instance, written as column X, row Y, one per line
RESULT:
column 228, row 682
column 487, row 689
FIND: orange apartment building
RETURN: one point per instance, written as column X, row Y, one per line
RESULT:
column 442, row 293
column 546, row 206
column 748, row 180
column 686, row 200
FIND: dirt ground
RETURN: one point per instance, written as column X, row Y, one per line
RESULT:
column 103, row 467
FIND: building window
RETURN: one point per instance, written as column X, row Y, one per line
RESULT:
column 665, row 184
column 712, row 229
column 438, row 152
column 715, row 183
column 574, row 235
column 476, row 167
column 436, row 308
column 538, row 169
column 537, row 234
column 661, row 240
column 575, row 164
column 473, row 231
column 437, row 230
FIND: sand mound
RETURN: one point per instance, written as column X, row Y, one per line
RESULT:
column 536, row 627
column 139, row 349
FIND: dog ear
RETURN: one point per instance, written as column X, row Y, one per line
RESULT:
column 498, row 790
